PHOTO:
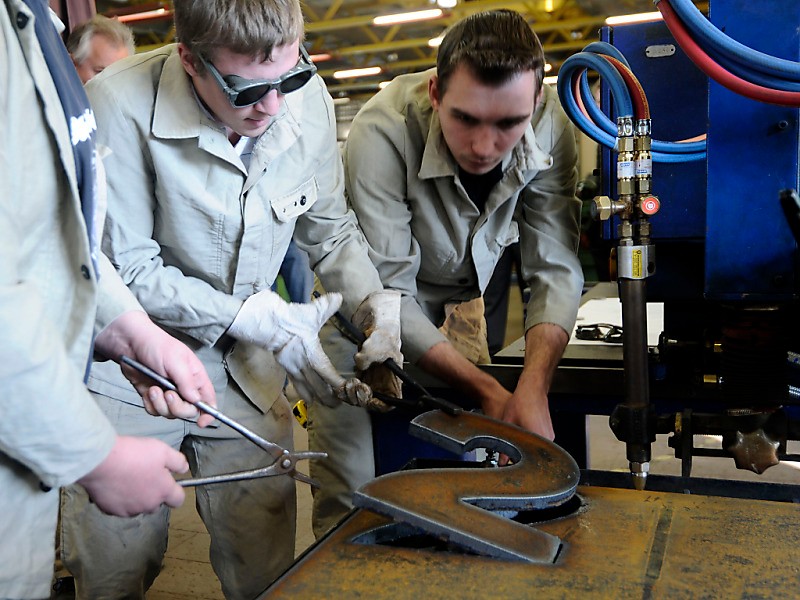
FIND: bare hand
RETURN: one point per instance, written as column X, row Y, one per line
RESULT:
column 136, row 477
column 135, row 335
column 531, row 413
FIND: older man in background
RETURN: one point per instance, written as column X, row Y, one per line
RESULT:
column 98, row 43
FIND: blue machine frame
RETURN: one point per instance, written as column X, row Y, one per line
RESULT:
column 720, row 233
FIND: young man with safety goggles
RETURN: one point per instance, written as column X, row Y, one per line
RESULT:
column 220, row 150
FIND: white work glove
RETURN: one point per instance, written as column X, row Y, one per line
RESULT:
column 378, row 316
column 291, row 331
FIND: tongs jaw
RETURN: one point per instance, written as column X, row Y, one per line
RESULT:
column 424, row 400
column 285, row 465
column 285, row 460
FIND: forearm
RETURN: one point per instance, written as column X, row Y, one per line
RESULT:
column 182, row 303
column 117, row 339
column 550, row 230
column 419, row 335
column 544, row 346
column 444, row 362
column 113, row 299
column 329, row 232
column 528, row 407
column 50, row 423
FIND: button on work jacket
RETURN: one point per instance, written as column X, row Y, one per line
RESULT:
column 430, row 241
column 193, row 233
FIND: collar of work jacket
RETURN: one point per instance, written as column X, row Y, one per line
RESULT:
column 178, row 115
column 526, row 156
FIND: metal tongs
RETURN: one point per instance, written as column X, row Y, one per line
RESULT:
column 285, row 461
column 425, row 399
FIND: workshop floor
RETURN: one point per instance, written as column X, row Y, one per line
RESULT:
column 188, row 574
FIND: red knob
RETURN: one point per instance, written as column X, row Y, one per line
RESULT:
column 650, row 205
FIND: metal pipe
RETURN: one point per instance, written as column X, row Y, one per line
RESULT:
column 633, row 421
column 634, row 341
column 635, row 414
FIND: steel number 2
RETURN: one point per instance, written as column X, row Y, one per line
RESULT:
column 448, row 503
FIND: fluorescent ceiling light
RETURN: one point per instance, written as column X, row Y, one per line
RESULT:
column 408, row 17
column 550, row 80
column 142, row 16
column 321, row 57
column 365, row 72
column 383, row 84
column 436, row 42
column 447, row 3
column 548, row 67
column 637, row 18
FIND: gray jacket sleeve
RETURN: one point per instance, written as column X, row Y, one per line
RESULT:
column 49, row 424
column 329, row 231
column 375, row 172
column 549, row 222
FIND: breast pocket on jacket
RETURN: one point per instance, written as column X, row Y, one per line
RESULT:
column 509, row 236
column 290, row 206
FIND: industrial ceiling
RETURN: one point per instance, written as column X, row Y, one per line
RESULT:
column 341, row 34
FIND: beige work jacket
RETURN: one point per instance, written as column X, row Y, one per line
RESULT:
column 51, row 430
column 194, row 233
column 430, row 241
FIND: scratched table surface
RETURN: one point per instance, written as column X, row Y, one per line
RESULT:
column 618, row 544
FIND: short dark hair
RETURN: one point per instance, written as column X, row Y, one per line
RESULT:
column 495, row 45
column 248, row 27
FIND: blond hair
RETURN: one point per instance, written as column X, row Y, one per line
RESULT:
column 248, row 27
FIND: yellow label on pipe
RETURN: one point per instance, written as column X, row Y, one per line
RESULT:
column 636, row 264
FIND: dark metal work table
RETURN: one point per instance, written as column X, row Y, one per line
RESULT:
column 590, row 375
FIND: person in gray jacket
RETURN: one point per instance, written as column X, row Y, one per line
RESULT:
column 59, row 299
column 444, row 169
column 221, row 149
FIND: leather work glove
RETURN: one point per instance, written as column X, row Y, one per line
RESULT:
column 291, row 331
column 465, row 328
column 378, row 316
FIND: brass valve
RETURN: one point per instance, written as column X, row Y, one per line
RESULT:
column 603, row 207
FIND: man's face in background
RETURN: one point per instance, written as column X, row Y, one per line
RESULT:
column 102, row 53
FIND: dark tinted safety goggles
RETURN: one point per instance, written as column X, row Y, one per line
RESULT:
column 243, row 92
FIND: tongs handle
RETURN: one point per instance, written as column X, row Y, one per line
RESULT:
column 274, row 449
column 285, row 460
